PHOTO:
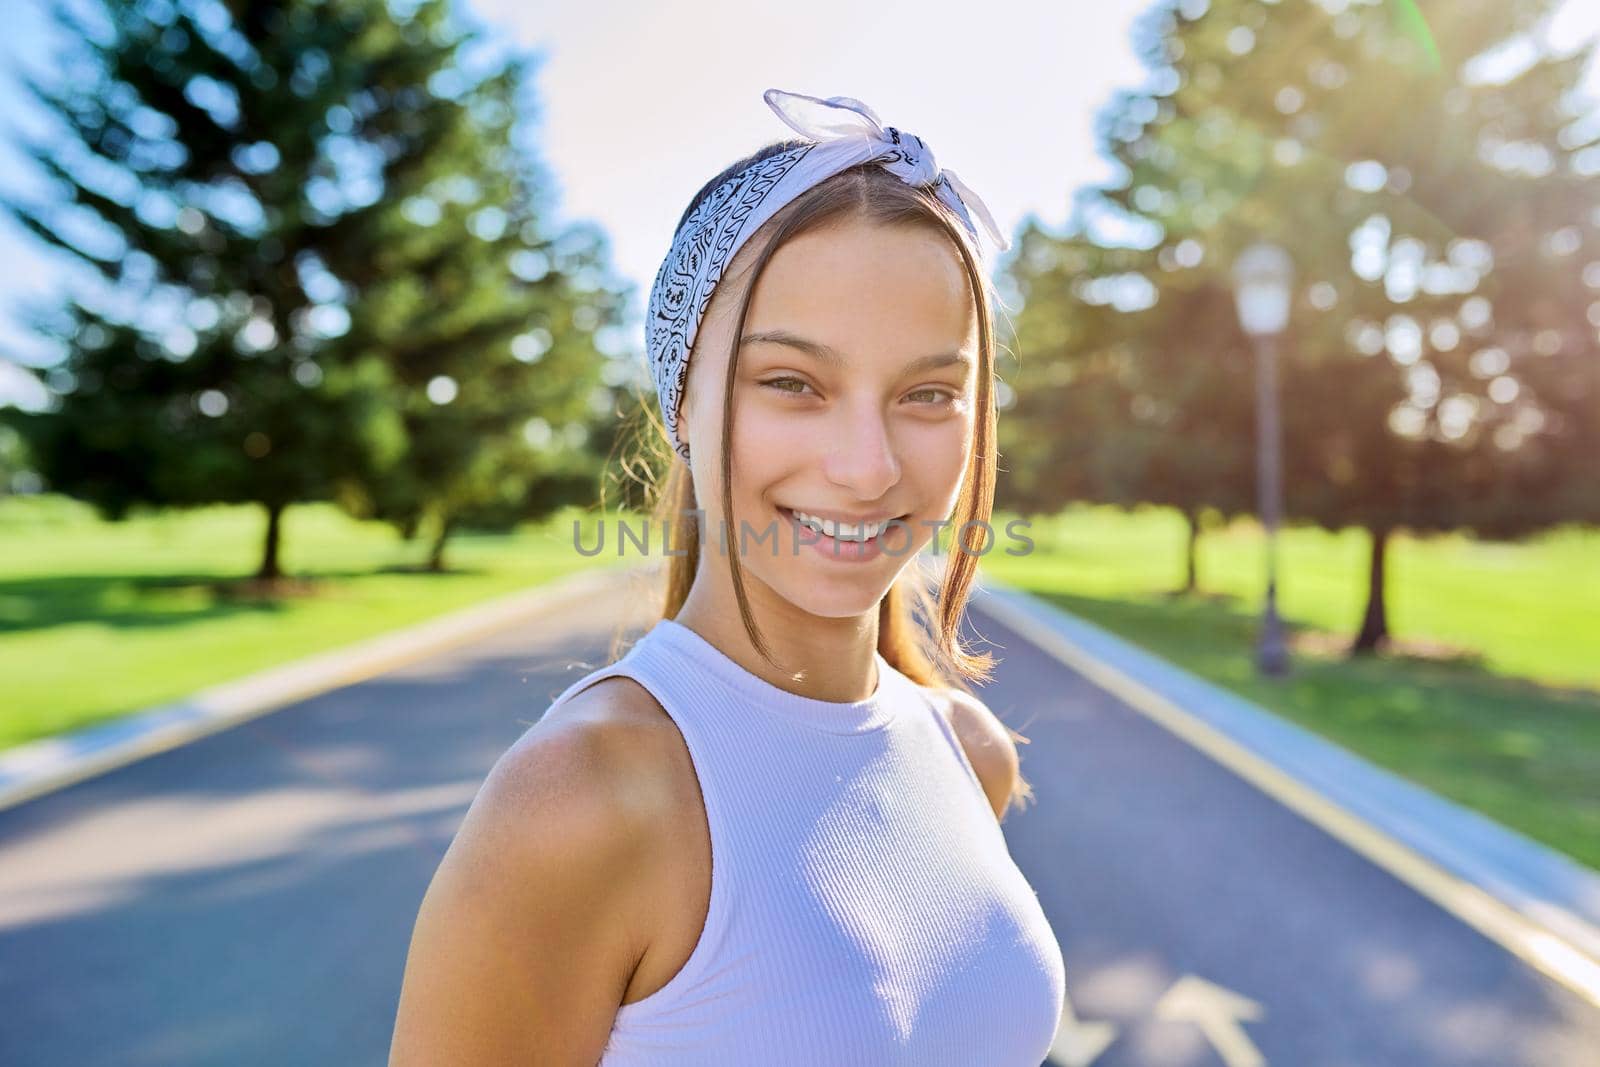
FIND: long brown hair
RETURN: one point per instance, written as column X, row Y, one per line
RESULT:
column 917, row 634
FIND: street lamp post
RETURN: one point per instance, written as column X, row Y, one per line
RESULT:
column 1263, row 276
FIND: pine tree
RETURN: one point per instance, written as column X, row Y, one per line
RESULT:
column 488, row 318
column 253, row 175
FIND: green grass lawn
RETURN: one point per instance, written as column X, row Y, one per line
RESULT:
column 1496, row 706
column 98, row 619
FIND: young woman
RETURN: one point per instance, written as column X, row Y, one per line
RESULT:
column 769, row 833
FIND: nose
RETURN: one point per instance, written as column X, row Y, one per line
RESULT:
column 860, row 455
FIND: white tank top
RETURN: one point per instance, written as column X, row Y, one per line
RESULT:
column 864, row 908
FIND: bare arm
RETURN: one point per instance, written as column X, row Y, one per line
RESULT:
column 522, row 946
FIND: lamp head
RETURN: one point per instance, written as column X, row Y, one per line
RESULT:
column 1263, row 278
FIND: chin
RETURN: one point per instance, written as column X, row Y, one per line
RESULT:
column 834, row 609
column 839, row 598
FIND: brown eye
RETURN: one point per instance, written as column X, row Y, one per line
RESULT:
column 780, row 383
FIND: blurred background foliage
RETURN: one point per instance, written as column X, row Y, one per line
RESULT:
column 1441, row 368
column 345, row 284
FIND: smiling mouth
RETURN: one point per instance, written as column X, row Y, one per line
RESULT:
column 790, row 515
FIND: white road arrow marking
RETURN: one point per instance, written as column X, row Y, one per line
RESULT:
column 1216, row 1011
column 1078, row 1044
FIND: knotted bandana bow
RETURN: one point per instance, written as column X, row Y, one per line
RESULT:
column 843, row 133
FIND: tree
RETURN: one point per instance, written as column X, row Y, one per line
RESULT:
column 1428, row 384
column 494, row 337
column 16, row 470
column 294, row 300
column 1123, row 400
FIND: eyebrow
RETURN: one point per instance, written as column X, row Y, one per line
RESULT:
column 834, row 357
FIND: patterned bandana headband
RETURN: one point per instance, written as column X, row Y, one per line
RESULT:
column 844, row 132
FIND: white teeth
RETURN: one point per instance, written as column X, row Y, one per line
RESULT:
column 842, row 531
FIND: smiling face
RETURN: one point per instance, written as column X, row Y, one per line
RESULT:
column 855, row 398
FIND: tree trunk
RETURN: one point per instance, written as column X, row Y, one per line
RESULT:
column 1192, row 575
column 436, row 554
column 1375, row 623
column 269, row 570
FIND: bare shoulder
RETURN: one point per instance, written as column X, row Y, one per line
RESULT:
column 988, row 744
column 638, row 752
column 587, row 766
column 531, row 929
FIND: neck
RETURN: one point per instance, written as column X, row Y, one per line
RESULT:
column 828, row 659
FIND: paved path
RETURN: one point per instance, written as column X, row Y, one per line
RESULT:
column 247, row 899
column 1203, row 923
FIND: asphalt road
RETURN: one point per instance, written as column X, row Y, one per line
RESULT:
column 247, row 899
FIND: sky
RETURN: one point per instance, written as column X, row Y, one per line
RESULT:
column 641, row 102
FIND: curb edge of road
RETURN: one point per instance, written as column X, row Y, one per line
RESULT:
column 36, row 768
column 1537, row 902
